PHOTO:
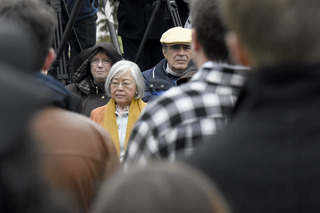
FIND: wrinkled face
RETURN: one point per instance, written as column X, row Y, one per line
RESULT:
column 123, row 89
column 100, row 66
column 178, row 57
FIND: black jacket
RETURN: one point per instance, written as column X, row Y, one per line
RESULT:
column 134, row 15
column 157, row 81
column 267, row 159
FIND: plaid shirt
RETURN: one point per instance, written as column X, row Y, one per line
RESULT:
column 182, row 117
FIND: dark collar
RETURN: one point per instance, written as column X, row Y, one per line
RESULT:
column 282, row 85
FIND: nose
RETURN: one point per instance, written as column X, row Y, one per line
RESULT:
column 182, row 51
column 120, row 86
column 100, row 64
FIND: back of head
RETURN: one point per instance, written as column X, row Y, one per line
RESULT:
column 37, row 18
column 17, row 46
column 158, row 188
column 205, row 19
column 274, row 31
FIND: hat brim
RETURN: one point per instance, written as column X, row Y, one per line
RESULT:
column 177, row 43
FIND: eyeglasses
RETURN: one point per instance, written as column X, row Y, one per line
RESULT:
column 97, row 61
column 116, row 84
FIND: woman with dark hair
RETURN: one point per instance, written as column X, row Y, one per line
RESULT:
column 89, row 72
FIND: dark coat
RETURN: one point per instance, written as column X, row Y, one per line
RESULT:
column 61, row 97
column 157, row 81
column 92, row 96
column 87, row 8
column 267, row 159
column 134, row 15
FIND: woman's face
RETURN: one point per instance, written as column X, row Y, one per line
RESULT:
column 100, row 66
column 123, row 89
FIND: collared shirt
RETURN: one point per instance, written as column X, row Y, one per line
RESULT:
column 122, row 122
column 185, row 116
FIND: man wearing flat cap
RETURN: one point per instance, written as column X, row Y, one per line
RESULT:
column 176, row 48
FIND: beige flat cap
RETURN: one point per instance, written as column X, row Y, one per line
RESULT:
column 176, row 35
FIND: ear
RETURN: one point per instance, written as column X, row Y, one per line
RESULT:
column 49, row 59
column 237, row 52
column 164, row 52
column 195, row 42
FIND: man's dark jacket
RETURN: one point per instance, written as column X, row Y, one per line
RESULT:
column 267, row 159
column 157, row 81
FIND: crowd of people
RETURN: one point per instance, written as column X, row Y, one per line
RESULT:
column 219, row 116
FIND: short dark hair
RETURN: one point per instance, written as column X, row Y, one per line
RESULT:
column 37, row 18
column 205, row 18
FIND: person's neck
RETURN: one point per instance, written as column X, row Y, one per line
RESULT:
column 121, row 110
column 200, row 60
column 175, row 72
column 96, row 83
column 199, row 57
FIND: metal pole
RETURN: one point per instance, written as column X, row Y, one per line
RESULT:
column 62, row 45
column 143, row 41
column 173, row 9
column 111, row 25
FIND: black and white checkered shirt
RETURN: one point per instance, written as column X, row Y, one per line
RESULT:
column 182, row 117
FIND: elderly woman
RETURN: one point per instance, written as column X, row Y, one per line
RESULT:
column 89, row 72
column 125, row 86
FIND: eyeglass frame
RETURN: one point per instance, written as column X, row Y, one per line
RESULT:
column 126, row 85
column 95, row 61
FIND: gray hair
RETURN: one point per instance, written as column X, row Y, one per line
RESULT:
column 124, row 66
column 164, row 47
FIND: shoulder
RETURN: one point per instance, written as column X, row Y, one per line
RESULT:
column 147, row 72
column 97, row 114
column 69, row 138
column 142, row 104
column 162, row 108
column 226, row 69
column 72, row 87
column 221, row 75
column 157, row 68
column 99, row 109
column 79, row 129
